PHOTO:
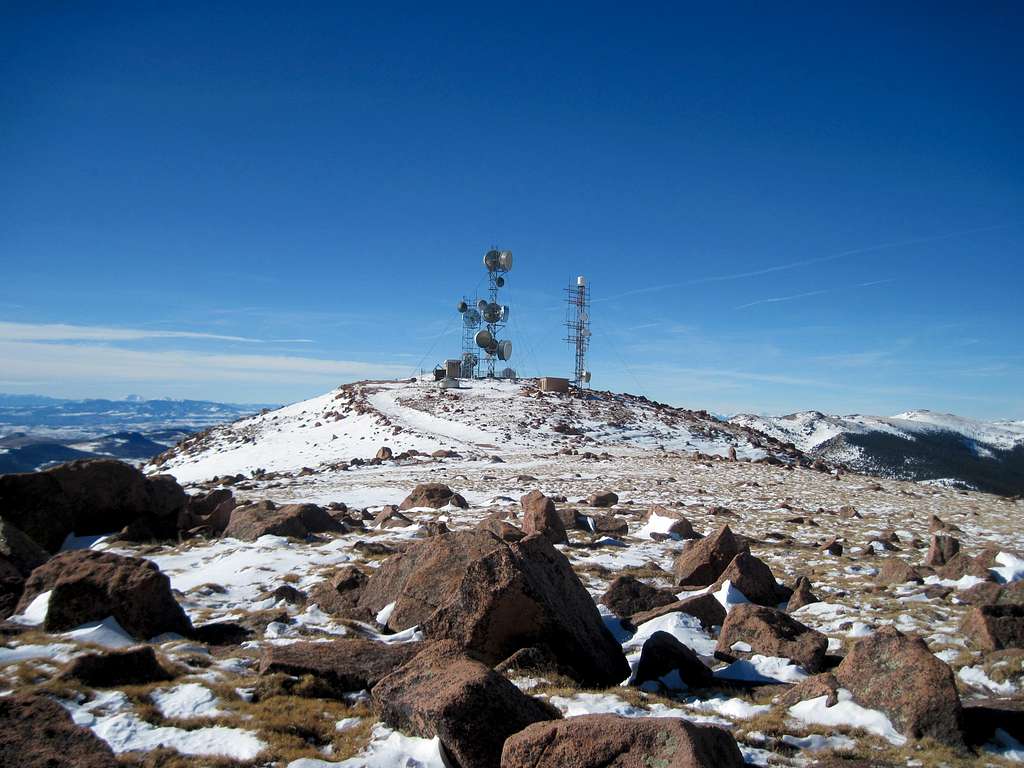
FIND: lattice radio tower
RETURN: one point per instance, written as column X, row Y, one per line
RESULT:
column 577, row 323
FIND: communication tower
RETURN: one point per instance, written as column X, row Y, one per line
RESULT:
column 577, row 323
column 483, row 320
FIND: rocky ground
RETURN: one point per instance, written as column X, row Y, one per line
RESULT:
column 333, row 616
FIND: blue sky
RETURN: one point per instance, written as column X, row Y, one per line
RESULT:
column 778, row 210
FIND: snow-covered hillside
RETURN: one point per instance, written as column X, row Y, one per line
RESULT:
column 918, row 444
column 485, row 417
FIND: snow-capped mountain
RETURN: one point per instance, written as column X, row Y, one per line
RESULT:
column 78, row 419
column 483, row 418
column 916, row 445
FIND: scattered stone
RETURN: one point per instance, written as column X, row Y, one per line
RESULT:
column 771, row 632
column 540, row 516
column 87, row 585
column 131, row 666
column 703, row 561
column 289, row 594
column 605, row 741
column 897, row 571
column 384, row 454
column 602, row 499
column 469, row 707
column 433, row 495
column 801, row 596
column 995, row 627
column 824, row 684
column 705, row 608
column 682, row 527
column 37, row 732
column 339, row 594
column 390, row 517
column 663, row 654
column 834, row 547
column 752, row 576
column 900, row 676
column 627, row 595
column 941, row 550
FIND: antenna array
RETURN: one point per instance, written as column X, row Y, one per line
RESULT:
column 577, row 323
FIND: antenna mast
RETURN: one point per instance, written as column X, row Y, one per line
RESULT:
column 577, row 323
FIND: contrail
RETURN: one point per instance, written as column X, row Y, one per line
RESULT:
column 805, row 262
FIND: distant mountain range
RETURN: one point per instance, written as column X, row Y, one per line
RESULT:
column 916, row 445
column 37, row 431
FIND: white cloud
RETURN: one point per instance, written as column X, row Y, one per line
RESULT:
column 65, row 332
column 24, row 361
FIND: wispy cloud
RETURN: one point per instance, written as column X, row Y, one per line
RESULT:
column 805, row 262
column 65, row 332
column 821, row 292
column 776, row 299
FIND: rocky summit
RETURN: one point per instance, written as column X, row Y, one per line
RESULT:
column 391, row 575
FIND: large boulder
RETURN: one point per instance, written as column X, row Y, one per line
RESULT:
column 526, row 594
column 995, row 627
column 602, row 741
column 540, row 516
column 36, row 505
column 771, row 632
column 469, row 707
column 91, row 496
column 265, row 518
column 37, row 732
column 752, row 576
column 627, row 595
column 130, row 666
column 344, row 666
column 86, row 585
column 106, row 495
column 900, row 676
column 19, row 556
column 703, row 561
column 662, row 655
column 418, row 579
column 434, row 495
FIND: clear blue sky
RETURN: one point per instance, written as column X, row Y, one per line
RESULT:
column 820, row 206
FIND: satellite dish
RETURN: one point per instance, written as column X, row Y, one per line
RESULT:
column 483, row 338
column 586, row 377
column 471, row 318
column 492, row 260
column 462, row 306
column 481, row 305
column 504, row 350
column 505, row 261
column 508, row 373
column 499, row 281
column 504, row 312
column 492, row 313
